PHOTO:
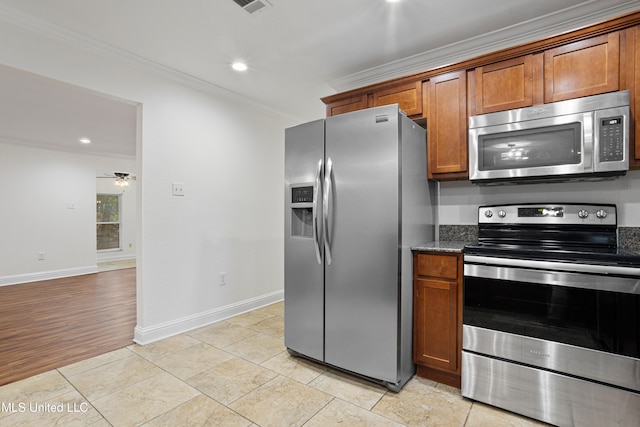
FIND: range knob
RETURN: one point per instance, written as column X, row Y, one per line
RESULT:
column 488, row 213
column 583, row 213
column 601, row 213
column 502, row 213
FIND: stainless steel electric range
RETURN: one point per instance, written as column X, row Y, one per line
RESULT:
column 551, row 315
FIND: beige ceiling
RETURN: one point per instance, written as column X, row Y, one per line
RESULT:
column 300, row 50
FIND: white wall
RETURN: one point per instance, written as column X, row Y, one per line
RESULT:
column 228, row 154
column 49, row 206
column 459, row 200
column 37, row 188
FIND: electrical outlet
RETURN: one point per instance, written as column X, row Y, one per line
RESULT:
column 40, row 256
column 223, row 279
column 177, row 188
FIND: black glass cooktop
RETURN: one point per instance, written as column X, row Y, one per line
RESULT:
column 571, row 233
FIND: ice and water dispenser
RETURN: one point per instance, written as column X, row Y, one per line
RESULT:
column 302, row 210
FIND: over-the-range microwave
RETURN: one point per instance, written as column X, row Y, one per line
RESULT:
column 579, row 139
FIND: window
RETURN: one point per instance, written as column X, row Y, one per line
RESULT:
column 108, row 221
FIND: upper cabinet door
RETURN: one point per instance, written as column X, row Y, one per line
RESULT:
column 408, row 96
column 583, row 68
column 347, row 105
column 505, row 85
column 447, row 124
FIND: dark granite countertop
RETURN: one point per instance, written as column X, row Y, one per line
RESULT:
column 441, row 246
column 455, row 237
column 629, row 238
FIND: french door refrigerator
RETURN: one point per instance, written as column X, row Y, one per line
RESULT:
column 356, row 199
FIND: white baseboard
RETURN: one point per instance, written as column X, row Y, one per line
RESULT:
column 116, row 258
column 47, row 275
column 150, row 334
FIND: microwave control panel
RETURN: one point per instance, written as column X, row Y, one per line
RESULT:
column 611, row 139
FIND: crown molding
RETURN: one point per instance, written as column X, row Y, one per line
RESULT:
column 564, row 21
column 48, row 29
column 44, row 145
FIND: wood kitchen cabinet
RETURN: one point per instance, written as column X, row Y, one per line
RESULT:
column 437, row 316
column 407, row 95
column 583, row 68
column 347, row 105
column 447, row 126
column 634, row 82
column 508, row 84
column 604, row 57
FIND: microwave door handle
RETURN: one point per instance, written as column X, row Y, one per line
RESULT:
column 588, row 143
column 316, row 236
column 325, row 208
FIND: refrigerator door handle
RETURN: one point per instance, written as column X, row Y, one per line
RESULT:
column 316, row 237
column 325, row 208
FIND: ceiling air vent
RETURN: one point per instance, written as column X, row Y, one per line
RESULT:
column 252, row 6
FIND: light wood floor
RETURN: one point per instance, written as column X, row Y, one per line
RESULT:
column 52, row 323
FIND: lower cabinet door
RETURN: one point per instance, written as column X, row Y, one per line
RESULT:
column 435, row 324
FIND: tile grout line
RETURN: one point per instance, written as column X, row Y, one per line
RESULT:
column 319, row 410
column 202, row 393
column 85, row 397
column 191, row 341
column 163, row 370
column 185, row 381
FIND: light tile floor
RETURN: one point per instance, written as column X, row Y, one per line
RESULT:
column 232, row 373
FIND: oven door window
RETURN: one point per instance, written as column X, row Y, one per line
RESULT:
column 600, row 320
column 552, row 145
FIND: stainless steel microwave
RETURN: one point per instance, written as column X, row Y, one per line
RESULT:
column 579, row 139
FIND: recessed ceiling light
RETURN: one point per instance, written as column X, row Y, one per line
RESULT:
column 85, row 140
column 239, row 66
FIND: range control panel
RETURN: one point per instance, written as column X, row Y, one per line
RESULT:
column 546, row 213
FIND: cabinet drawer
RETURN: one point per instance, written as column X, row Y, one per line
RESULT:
column 434, row 265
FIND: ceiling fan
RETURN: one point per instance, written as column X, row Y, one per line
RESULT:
column 121, row 178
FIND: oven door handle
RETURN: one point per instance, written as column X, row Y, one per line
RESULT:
column 628, row 285
column 553, row 265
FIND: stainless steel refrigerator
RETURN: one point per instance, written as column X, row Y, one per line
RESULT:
column 356, row 199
